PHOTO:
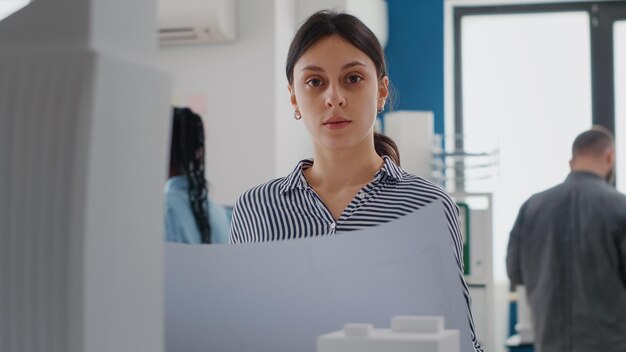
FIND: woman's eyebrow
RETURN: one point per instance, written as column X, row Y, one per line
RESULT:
column 313, row 68
column 352, row 64
column 345, row 67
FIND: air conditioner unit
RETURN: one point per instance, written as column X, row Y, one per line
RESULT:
column 196, row 21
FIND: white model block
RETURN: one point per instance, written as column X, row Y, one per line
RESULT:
column 431, row 325
column 358, row 330
column 407, row 334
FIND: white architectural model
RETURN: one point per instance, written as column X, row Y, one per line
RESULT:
column 407, row 334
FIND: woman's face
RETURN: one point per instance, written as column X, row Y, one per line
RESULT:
column 337, row 91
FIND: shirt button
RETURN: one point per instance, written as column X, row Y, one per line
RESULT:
column 333, row 225
column 361, row 195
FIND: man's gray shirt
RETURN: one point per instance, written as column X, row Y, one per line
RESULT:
column 568, row 247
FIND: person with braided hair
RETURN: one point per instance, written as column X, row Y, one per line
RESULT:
column 190, row 216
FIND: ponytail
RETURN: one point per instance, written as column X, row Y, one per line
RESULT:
column 386, row 146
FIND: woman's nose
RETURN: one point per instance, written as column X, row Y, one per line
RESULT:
column 335, row 98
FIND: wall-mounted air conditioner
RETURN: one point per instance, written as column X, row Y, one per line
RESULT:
column 196, row 21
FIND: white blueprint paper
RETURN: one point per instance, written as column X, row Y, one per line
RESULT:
column 279, row 296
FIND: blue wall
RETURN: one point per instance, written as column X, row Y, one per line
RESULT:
column 415, row 55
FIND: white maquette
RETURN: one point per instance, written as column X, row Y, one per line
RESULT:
column 407, row 334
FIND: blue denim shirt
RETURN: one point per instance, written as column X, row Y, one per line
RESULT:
column 180, row 225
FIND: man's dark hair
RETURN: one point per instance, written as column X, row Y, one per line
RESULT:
column 593, row 142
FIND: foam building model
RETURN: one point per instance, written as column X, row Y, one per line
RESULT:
column 407, row 334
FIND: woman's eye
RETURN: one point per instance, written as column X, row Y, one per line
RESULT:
column 314, row 82
column 354, row 79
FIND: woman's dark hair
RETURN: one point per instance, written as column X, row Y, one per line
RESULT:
column 386, row 146
column 326, row 23
column 187, row 156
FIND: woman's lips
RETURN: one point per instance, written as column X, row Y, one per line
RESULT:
column 335, row 124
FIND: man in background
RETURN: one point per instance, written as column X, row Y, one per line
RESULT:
column 568, row 247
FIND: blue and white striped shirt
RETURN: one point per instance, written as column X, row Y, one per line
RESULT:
column 287, row 208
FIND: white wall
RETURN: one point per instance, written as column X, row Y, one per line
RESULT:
column 237, row 82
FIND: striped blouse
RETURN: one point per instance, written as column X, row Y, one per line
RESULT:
column 288, row 207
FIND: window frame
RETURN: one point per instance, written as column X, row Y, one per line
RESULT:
column 602, row 16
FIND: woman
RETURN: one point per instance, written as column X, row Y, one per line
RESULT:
column 190, row 216
column 338, row 82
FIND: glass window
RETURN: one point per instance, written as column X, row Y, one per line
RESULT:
column 526, row 91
